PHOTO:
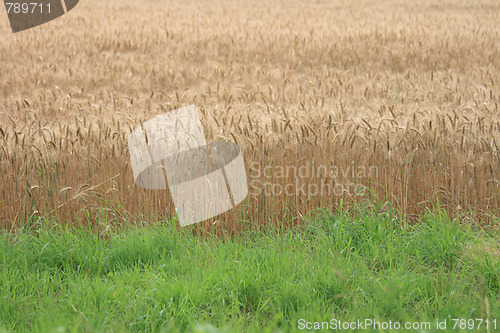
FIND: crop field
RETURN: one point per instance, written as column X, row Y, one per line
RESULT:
column 370, row 132
column 398, row 97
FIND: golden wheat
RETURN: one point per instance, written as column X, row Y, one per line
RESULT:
column 411, row 89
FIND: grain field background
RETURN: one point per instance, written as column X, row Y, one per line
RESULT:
column 411, row 90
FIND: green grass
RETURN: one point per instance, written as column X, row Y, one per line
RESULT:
column 349, row 266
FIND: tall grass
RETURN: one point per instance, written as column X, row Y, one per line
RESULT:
column 355, row 264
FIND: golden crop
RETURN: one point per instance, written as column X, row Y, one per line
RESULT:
column 409, row 88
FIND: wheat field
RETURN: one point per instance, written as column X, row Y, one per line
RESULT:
column 408, row 91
